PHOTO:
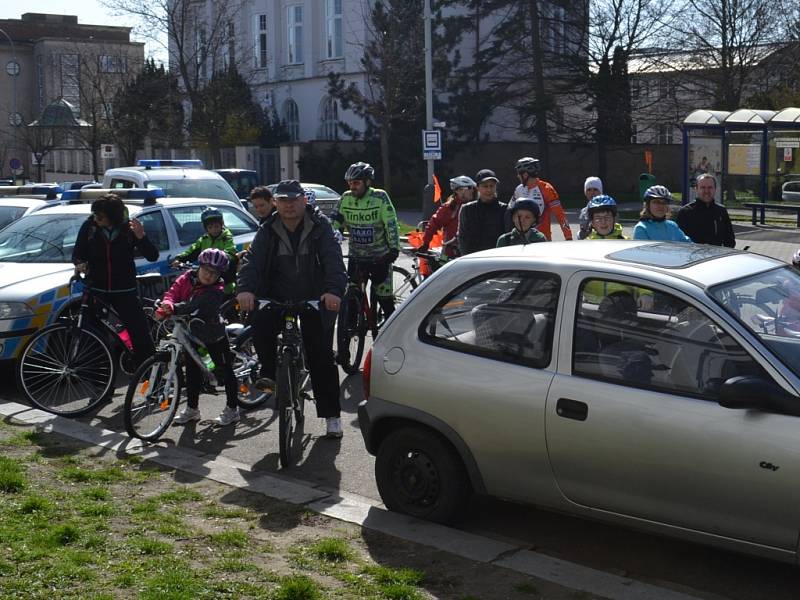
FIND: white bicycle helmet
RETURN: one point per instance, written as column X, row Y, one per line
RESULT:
column 462, row 181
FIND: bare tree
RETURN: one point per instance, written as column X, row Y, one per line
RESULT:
column 730, row 39
column 200, row 36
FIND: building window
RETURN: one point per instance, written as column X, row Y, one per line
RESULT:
column 556, row 38
column 634, row 133
column 329, row 119
column 200, row 53
column 333, row 28
column 261, row 41
column 292, row 118
column 294, row 21
column 40, row 82
column 70, row 80
column 231, row 45
column 664, row 134
column 113, row 64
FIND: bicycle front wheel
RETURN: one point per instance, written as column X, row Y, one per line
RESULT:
column 286, row 392
column 352, row 333
column 246, row 369
column 152, row 398
column 65, row 370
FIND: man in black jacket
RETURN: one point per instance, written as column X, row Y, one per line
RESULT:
column 705, row 221
column 482, row 221
column 296, row 257
column 105, row 250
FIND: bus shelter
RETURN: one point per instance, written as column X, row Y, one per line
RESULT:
column 752, row 153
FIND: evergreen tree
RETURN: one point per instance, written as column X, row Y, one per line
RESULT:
column 392, row 102
column 224, row 114
column 149, row 106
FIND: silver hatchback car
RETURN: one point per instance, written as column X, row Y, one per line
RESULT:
column 650, row 384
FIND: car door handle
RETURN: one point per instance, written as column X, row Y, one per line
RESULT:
column 572, row 409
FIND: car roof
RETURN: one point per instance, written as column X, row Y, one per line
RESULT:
column 164, row 173
column 22, row 201
column 700, row 264
column 69, row 208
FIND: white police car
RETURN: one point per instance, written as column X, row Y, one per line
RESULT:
column 36, row 252
column 177, row 178
column 17, row 201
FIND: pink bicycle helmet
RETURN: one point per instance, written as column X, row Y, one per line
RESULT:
column 214, row 258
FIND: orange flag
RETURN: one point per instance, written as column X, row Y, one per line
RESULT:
column 437, row 190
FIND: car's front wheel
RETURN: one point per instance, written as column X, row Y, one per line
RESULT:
column 421, row 475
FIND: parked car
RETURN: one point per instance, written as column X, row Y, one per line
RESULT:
column 241, row 180
column 18, row 200
column 327, row 199
column 36, row 252
column 790, row 191
column 76, row 185
column 650, row 384
column 178, row 179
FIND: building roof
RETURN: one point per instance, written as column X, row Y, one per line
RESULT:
column 35, row 26
column 665, row 61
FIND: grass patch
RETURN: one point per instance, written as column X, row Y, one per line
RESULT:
column 180, row 496
column 236, row 565
column 214, row 511
column 175, row 582
column 149, row 546
column 25, row 438
column 298, row 587
column 527, row 588
column 66, row 534
column 332, row 550
column 35, row 504
column 96, row 493
column 12, row 476
column 232, row 538
column 387, row 576
column 80, row 475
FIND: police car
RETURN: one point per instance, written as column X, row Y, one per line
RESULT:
column 17, row 201
column 177, row 178
column 36, row 251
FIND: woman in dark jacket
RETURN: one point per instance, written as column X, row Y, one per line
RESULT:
column 105, row 250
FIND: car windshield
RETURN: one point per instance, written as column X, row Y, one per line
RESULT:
column 10, row 213
column 40, row 238
column 768, row 304
column 196, row 188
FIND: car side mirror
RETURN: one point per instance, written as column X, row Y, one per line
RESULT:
column 747, row 391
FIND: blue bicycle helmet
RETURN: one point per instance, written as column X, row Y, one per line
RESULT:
column 210, row 214
column 601, row 202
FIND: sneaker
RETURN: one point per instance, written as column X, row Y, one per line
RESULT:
column 334, row 427
column 227, row 416
column 186, row 415
column 265, row 384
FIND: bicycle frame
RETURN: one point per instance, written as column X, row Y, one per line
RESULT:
column 88, row 310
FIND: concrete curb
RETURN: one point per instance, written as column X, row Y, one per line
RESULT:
column 353, row 508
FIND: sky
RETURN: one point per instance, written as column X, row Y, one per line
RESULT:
column 89, row 12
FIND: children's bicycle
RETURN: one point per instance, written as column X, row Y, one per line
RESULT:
column 70, row 367
column 154, row 390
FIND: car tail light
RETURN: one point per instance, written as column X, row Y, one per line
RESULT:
column 365, row 376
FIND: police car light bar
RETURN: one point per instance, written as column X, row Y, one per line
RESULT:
column 160, row 162
column 149, row 195
column 48, row 190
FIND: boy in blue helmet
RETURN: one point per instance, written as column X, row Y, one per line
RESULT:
column 525, row 216
column 602, row 214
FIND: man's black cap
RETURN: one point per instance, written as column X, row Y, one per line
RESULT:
column 485, row 175
column 289, row 188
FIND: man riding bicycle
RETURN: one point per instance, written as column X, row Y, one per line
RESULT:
column 369, row 215
column 295, row 257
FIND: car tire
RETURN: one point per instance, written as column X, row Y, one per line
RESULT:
column 421, row 475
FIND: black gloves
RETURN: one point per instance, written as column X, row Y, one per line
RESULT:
column 391, row 256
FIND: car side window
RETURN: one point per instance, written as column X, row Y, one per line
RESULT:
column 507, row 316
column 186, row 220
column 236, row 221
column 120, row 184
column 155, row 228
column 640, row 337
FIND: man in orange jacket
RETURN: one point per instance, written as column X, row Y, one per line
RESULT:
column 541, row 192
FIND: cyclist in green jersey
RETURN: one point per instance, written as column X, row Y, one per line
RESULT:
column 369, row 216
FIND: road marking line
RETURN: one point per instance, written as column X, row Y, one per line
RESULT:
column 352, row 508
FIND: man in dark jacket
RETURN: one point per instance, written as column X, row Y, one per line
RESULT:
column 296, row 257
column 105, row 250
column 705, row 221
column 482, row 221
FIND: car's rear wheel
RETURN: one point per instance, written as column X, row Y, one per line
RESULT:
column 421, row 475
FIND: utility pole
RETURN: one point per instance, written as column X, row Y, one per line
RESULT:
column 427, row 196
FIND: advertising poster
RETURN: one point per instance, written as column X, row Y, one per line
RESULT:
column 705, row 156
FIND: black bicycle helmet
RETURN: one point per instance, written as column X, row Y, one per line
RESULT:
column 657, row 191
column 601, row 202
column 210, row 214
column 527, row 204
column 529, row 165
column 359, row 170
